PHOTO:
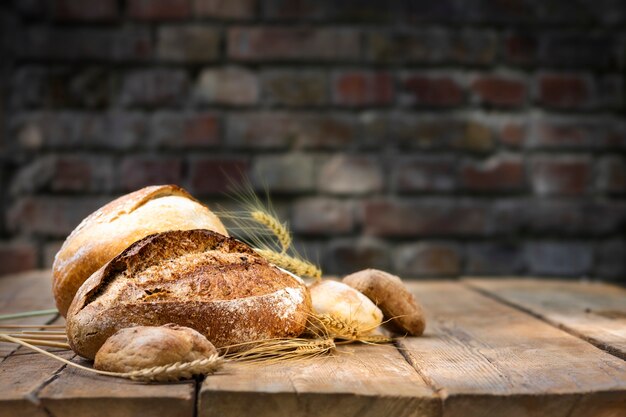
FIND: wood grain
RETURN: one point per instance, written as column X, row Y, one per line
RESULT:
column 25, row 292
column 79, row 393
column 595, row 312
column 357, row 381
column 486, row 359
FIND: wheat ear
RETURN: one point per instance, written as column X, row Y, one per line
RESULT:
column 339, row 328
column 276, row 227
column 295, row 265
column 171, row 372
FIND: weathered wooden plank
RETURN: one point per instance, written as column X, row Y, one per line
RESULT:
column 79, row 393
column 357, row 381
column 487, row 359
column 595, row 312
column 25, row 292
column 22, row 374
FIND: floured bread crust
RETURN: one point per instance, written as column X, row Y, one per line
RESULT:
column 114, row 227
column 143, row 347
column 196, row 278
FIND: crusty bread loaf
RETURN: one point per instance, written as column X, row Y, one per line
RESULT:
column 403, row 313
column 112, row 228
column 196, row 278
column 143, row 347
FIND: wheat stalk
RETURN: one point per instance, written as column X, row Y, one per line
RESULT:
column 297, row 266
column 275, row 226
column 176, row 371
column 33, row 313
column 32, row 326
column 279, row 350
column 171, row 372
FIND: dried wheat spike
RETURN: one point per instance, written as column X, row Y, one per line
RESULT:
column 295, row 265
column 176, row 371
column 276, row 227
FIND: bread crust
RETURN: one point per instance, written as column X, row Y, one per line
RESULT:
column 112, row 228
column 399, row 306
column 195, row 278
column 141, row 347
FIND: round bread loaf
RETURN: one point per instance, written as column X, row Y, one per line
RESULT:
column 194, row 278
column 112, row 228
column 397, row 303
column 143, row 347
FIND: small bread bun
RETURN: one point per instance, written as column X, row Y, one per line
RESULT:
column 397, row 303
column 143, row 347
column 114, row 227
column 345, row 303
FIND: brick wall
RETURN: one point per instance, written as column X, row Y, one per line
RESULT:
column 430, row 138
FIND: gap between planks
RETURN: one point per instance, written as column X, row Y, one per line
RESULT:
column 606, row 347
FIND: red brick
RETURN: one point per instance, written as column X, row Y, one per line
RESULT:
column 319, row 215
column 279, row 129
column 215, row 175
column 612, row 175
column 560, row 175
column 345, row 256
column 346, row 174
column 17, row 257
column 473, row 47
column 572, row 216
column 188, row 43
column 428, row 217
column 520, row 48
column 442, row 132
column 50, row 216
column 139, row 171
column 500, row 91
column 231, row 86
column 159, row 9
column 154, row 87
column 84, row 44
column 201, row 130
column 185, row 130
column 65, row 173
column 71, row 130
column 292, row 44
column 513, row 133
column 85, row 10
column 431, row 90
column 421, row 46
column 564, row 91
column 428, row 258
column 498, row 173
column 295, row 88
column 359, row 88
column 426, row 173
column 225, row 9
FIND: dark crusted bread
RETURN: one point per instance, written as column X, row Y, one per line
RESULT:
column 195, row 278
column 114, row 227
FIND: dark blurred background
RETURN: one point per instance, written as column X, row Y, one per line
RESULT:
column 429, row 138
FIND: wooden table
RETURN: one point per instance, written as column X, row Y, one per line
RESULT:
column 506, row 347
